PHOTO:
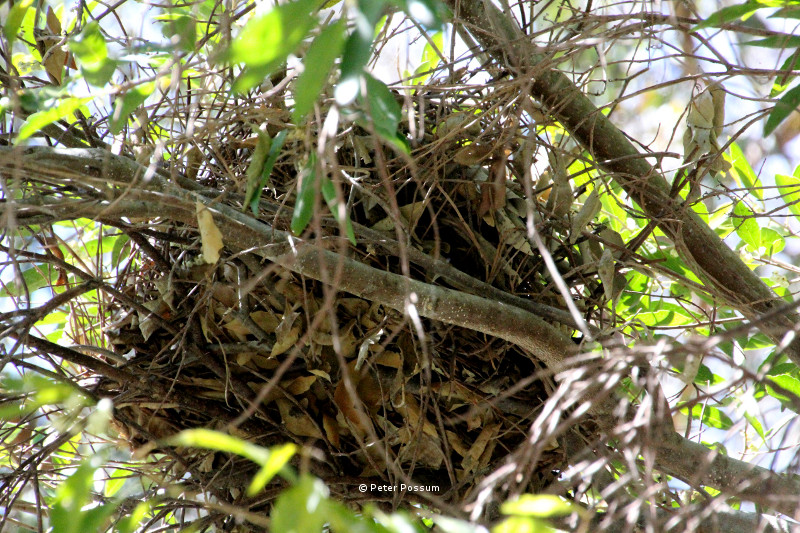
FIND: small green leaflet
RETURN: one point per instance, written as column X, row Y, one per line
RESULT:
column 783, row 81
column 15, row 16
column 264, row 158
column 782, row 109
column 789, row 187
column 306, row 198
column 426, row 12
column 181, row 29
column 744, row 173
column 125, row 104
column 304, row 208
column 316, row 66
column 709, row 415
column 384, row 112
column 357, row 50
column 729, row 14
column 58, row 110
column 279, row 456
column 302, row 507
column 338, row 209
column 266, row 41
column 91, row 52
column 746, row 226
column 430, row 58
column 789, row 395
column 782, row 40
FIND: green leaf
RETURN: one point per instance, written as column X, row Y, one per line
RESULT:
column 522, row 524
column 316, row 66
column 261, row 166
column 306, row 197
column 755, row 423
column 338, row 209
column 782, row 82
column 743, row 173
column 426, row 12
column 116, row 250
column 181, row 29
column 115, row 482
column 789, row 12
column 786, row 105
column 728, row 14
column 382, row 108
column 782, row 41
column 709, row 415
column 302, row 508
column 215, row 440
column 788, row 383
column 746, row 225
column 91, row 52
column 772, row 241
column 59, row 110
column 266, row 41
column 278, row 457
column 430, row 58
column 357, row 50
column 32, row 279
column 14, row 19
column 127, row 103
column 542, row 506
column 67, row 514
column 131, row 522
column 789, row 187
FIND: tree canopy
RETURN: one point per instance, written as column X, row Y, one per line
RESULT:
column 399, row 265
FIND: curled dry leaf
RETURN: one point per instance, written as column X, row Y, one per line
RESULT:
column 210, row 235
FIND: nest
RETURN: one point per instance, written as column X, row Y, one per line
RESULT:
column 380, row 396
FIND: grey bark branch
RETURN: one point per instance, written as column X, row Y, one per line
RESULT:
column 705, row 254
column 94, row 168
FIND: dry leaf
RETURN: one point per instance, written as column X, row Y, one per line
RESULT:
column 235, row 327
column 300, row 385
column 286, row 333
column 473, row 154
column 297, row 421
column 331, row 430
column 267, row 321
column 210, row 236
column 476, row 455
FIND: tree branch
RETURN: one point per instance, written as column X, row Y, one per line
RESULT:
column 704, row 253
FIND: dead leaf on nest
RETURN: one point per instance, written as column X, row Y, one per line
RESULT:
column 321, row 373
column 297, row 421
column 409, row 214
column 513, row 232
column 149, row 324
column 368, row 393
column 210, row 235
column 286, row 333
column 477, row 456
column 266, row 320
column 421, row 449
column 238, row 330
column 456, row 443
column 331, row 428
column 207, row 464
column 300, row 385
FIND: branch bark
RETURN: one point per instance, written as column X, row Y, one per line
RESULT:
column 721, row 269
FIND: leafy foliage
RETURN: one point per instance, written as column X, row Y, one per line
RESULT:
column 310, row 296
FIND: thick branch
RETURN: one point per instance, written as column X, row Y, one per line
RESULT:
column 705, row 254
